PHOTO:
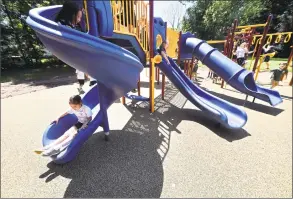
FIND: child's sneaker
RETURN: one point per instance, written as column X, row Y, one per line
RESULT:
column 51, row 152
column 82, row 91
column 134, row 90
column 39, row 151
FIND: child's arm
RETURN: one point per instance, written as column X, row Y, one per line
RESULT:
column 89, row 119
column 60, row 117
column 266, row 48
column 165, row 56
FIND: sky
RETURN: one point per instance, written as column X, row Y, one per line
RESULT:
column 161, row 9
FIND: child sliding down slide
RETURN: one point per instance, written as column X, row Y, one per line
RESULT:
column 84, row 116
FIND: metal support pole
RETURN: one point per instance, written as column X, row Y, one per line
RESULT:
column 158, row 75
column 123, row 100
column 138, row 86
column 266, row 29
column 288, row 62
column 152, row 72
column 163, row 87
column 230, row 45
column 163, row 76
column 179, row 41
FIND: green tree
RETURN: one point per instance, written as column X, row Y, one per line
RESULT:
column 17, row 38
column 193, row 20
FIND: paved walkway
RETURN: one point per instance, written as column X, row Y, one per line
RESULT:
column 174, row 152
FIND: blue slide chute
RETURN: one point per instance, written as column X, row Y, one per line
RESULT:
column 235, row 75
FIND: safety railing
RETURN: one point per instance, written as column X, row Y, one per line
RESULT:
column 131, row 17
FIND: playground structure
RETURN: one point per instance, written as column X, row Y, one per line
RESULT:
column 290, row 58
column 248, row 32
column 121, row 40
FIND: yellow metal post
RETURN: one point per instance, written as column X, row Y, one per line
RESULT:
column 258, row 68
column 152, row 89
column 86, row 15
column 156, row 60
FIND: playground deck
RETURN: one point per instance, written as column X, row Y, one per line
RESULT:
column 174, row 152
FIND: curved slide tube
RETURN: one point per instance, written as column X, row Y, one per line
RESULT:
column 236, row 76
column 116, row 69
column 220, row 110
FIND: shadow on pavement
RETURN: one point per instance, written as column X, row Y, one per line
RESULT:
column 247, row 104
column 130, row 164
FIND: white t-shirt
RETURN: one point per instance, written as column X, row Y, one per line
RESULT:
column 80, row 75
column 82, row 114
column 240, row 52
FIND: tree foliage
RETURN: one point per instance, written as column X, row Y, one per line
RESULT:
column 17, row 38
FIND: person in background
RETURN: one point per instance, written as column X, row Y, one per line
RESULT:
column 194, row 69
column 162, row 51
column 81, row 79
column 235, row 46
column 210, row 74
column 70, row 15
column 241, row 53
column 267, row 48
column 277, row 74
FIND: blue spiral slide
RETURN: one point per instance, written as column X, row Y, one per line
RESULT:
column 116, row 69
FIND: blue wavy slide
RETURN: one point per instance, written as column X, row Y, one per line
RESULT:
column 116, row 69
column 236, row 76
column 218, row 109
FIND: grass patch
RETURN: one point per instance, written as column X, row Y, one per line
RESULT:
column 274, row 64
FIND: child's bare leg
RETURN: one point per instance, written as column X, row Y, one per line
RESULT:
column 272, row 84
column 58, row 141
column 60, row 144
column 268, row 65
column 65, row 142
column 51, row 146
column 61, row 138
